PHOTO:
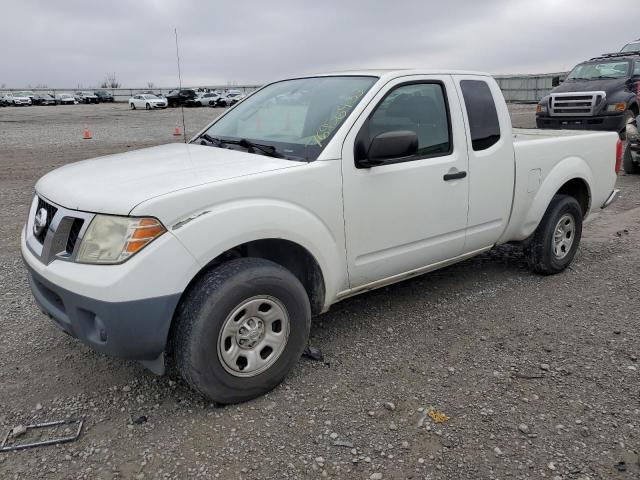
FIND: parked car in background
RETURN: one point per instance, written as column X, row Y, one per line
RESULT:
column 65, row 99
column 218, row 252
column 204, row 100
column 147, row 101
column 43, row 99
column 151, row 92
column 86, row 97
column 18, row 99
column 104, row 96
column 599, row 94
column 231, row 97
column 175, row 98
column 631, row 47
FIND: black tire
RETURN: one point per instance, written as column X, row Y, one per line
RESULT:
column 203, row 312
column 147, row 106
column 539, row 248
column 132, row 106
column 630, row 167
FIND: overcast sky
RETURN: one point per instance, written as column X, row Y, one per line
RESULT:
column 66, row 43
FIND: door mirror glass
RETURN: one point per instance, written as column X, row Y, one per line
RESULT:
column 391, row 145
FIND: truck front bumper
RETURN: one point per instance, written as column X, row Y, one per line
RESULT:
column 134, row 330
column 612, row 123
column 122, row 310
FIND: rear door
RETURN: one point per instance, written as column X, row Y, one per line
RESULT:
column 491, row 159
column 411, row 213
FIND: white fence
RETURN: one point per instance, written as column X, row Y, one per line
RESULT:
column 527, row 88
column 516, row 88
column 123, row 94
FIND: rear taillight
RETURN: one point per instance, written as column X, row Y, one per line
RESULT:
column 618, row 156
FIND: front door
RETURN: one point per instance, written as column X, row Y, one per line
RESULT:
column 409, row 213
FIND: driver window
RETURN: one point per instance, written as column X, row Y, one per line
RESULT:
column 420, row 108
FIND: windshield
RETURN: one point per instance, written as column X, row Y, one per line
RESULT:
column 150, row 97
column 631, row 47
column 297, row 117
column 594, row 71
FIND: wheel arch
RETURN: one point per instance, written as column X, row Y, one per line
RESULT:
column 572, row 176
column 288, row 254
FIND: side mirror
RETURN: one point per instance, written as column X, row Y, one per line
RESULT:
column 555, row 81
column 390, row 145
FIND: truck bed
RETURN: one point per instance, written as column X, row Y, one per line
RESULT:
column 545, row 160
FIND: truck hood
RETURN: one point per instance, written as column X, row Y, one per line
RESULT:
column 115, row 184
column 609, row 86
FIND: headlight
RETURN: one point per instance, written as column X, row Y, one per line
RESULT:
column 111, row 239
column 541, row 108
column 616, row 107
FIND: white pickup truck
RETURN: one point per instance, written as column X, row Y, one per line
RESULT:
column 215, row 254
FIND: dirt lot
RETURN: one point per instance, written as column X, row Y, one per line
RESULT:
column 538, row 375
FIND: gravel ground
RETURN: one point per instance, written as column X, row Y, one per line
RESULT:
column 538, row 376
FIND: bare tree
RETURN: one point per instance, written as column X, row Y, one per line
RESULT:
column 110, row 81
column 151, row 85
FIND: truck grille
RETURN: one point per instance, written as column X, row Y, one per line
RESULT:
column 61, row 234
column 575, row 104
column 74, row 233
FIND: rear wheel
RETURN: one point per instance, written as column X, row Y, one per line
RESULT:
column 553, row 245
column 240, row 329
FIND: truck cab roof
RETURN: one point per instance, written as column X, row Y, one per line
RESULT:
column 398, row 72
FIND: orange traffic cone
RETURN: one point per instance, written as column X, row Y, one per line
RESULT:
column 86, row 134
column 176, row 131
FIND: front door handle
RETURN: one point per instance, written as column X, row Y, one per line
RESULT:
column 454, row 176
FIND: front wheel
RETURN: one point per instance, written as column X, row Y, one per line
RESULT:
column 147, row 106
column 240, row 330
column 132, row 106
column 554, row 243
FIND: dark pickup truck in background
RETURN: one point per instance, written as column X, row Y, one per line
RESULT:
column 600, row 94
column 175, row 98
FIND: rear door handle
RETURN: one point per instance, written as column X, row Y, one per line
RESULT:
column 454, row 176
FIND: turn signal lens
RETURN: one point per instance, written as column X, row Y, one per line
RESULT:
column 110, row 239
column 616, row 107
column 618, row 164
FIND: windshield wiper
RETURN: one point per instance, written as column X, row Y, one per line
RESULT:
column 269, row 150
column 210, row 139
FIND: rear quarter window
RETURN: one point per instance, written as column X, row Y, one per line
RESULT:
column 481, row 111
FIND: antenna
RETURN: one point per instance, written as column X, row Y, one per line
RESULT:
column 184, row 131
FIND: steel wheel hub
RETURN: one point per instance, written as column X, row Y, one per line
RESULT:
column 253, row 336
column 563, row 236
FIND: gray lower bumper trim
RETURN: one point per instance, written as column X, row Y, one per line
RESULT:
column 134, row 330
